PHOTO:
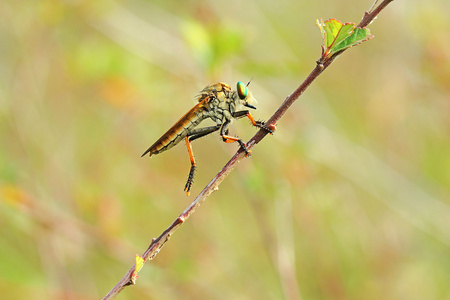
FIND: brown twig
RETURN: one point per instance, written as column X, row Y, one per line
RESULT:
column 213, row 185
column 370, row 15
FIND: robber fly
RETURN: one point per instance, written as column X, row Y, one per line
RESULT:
column 219, row 103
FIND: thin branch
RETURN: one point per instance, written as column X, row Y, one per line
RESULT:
column 370, row 15
column 213, row 185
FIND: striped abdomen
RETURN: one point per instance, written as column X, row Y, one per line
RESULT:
column 179, row 130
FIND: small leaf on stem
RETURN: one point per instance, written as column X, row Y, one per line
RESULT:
column 338, row 36
column 138, row 266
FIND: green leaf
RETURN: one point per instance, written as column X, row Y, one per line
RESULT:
column 137, row 267
column 358, row 36
column 338, row 36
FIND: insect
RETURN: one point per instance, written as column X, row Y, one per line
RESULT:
column 219, row 103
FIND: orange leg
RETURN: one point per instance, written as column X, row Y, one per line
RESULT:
column 259, row 124
column 249, row 115
column 190, row 180
column 232, row 139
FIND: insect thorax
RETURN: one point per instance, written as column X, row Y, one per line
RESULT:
column 222, row 106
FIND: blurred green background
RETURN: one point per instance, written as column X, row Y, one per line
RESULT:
column 349, row 199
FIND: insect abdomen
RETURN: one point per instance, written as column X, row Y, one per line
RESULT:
column 176, row 133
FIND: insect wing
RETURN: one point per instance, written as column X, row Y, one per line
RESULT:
column 179, row 130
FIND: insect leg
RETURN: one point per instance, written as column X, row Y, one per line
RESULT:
column 230, row 139
column 246, row 113
column 193, row 135
column 188, row 185
column 201, row 132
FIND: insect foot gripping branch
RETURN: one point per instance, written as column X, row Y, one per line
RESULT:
column 219, row 103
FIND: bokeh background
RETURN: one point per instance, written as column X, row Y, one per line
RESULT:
column 349, row 199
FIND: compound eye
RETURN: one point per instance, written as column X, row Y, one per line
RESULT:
column 242, row 90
